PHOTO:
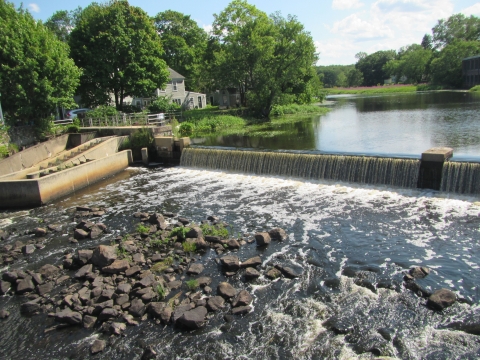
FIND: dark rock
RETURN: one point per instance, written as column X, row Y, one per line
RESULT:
column 98, row 213
column 104, row 255
column 230, row 262
column 44, row 289
column 204, row 281
column 195, row 269
column 262, row 238
column 4, row 314
column 97, row 346
column 193, row 319
column 288, row 272
column 123, row 288
column 179, row 311
column 340, row 327
column 139, row 258
column 89, row 321
column 95, row 232
column 83, row 271
column 183, row 220
column 116, row 267
column 83, row 208
column 137, row 308
column 387, row 333
column 169, row 214
column 10, row 276
column 106, row 294
column 149, row 354
column 28, row 249
column 39, row 232
column 172, row 285
column 442, row 299
column 134, row 270
column 4, row 235
column 419, row 272
column 226, row 290
column 213, row 239
column 242, row 299
column 54, row 227
column 201, row 244
column 252, row 262
column 37, row 279
column 4, row 287
column 278, row 234
column 215, row 303
column 84, row 256
column 161, row 311
column 251, row 274
column 158, row 220
column 107, row 314
column 68, row 316
column 147, row 281
column 233, row 244
column 80, row 234
column 25, row 285
column 241, row 310
column 31, row 307
column 117, row 328
column 417, row 289
column 195, row 232
column 101, row 306
column 49, row 271
column 273, row 274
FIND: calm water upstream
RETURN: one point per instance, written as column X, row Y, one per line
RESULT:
column 396, row 124
column 351, row 243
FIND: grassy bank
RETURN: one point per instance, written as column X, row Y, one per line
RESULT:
column 373, row 90
column 207, row 122
column 475, row 89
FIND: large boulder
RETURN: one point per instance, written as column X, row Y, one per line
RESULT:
column 116, row 267
column 230, row 262
column 195, row 232
column 137, row 308
column 95, row 232
column 215, row 303
column 159, row 220
column 48, row 271
column 195, row 269
column 80, row 234
column 252, row 262
column 442, row 299
column 193, row 319
column 278, row 234
column 83, row 256
column 262, row 238
column 39, row 232
column 68, row 316
column 103, row 255
column 4, row 287
column 98, row 346
column 31, row 307
column 251, row 274
column 84, row 270
column 25, row 285
column 242, row 299
column 226, row 290
column 419, row 272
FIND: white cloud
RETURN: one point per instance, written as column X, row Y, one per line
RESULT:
column 33, row 8
column 472, row 10
column 346, row 4
column 355, row 27
column 208, row 28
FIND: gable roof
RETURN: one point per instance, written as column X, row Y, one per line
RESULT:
column 175, row 75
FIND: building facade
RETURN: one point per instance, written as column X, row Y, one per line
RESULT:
column 471, row 71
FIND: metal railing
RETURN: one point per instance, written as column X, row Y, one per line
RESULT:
column 131, row 120
column 63, row 122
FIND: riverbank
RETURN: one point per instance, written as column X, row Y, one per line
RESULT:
column 235, row 121
column 373, row 90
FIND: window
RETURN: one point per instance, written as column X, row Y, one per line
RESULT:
column 174, row 85
column 200, row 105
column 177, row 101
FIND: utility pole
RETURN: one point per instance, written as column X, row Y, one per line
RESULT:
column 2, row 121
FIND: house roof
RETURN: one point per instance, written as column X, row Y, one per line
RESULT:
column 471, row 57
column 175, row 75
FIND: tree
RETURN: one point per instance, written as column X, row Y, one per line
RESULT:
column 412, row 62
column 354, row 78
column 184, row 44
column 371, row 66
column 120, row 53
column 457, row 27
column 36, row 74
column 427, row 42
column 62, row 22
column 271, row 57
column 446, row 69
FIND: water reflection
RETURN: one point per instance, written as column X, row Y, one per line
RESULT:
column 394, row 124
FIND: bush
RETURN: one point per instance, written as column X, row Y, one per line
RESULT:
column 131, row 109
column 102, row 111
column 163, row 105
column 141, row 138
column 290, row 109
column 475, row 89
column 185, row 129
column 192, row 284
column 3, row 151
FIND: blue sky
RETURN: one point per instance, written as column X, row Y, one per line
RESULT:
column 340, row 28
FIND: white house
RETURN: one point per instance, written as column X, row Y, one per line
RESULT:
column 174, row 89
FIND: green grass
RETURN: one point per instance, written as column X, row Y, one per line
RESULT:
column 142, row 229
column 293, row 109
column 192, row 284
column 214, row 230
column 373, row 90
column 428, row 87
column 179, row 232
column 162, row 265
column 189, row 247
column 475, row 89
column 160, row 290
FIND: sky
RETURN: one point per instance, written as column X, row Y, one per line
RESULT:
column 340, row 28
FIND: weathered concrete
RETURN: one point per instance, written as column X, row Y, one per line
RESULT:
column 164, row 143
column 145, row 156
column 78, row 139
column 128, row 130
column 35, row 192
column 437, row 154
column 33, row 155
column 431, row 167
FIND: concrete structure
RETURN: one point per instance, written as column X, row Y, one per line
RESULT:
column 431, row 167
column 471, row 71
column 175, row 90
column 225, row 98
column 169, row 149
column 145, row 156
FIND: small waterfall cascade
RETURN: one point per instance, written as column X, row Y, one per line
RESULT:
column 360, row 169
column 460, row 177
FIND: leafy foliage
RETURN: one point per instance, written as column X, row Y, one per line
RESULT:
column 120, row 52
column 189, row 247
column 161, row 292
column 214, row 230
column 162, row 265
column 141, row 138
column 62, row 22
column 36, row 73
column 142, row 229
column 163, row 104
column 412, row 62
column 456, row 28
column 192, row 284
column 372, row 65
column 179, row 232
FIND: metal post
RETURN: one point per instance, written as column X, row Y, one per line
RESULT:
column 2, row 121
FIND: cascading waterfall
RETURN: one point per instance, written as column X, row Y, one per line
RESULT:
column 461, row 177
column 360, row 169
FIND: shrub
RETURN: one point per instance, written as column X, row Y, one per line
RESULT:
column 141, row 138
column 214, row 230
column 131, row 109
column 192, row 284
column 3, row 151
column 142, row 229
column 163, row 104
column 102, row 111
column 162, row 265
column 189, row 247
column 179, row 232
column 160, row 290
column 475, row 88
column 185, row 129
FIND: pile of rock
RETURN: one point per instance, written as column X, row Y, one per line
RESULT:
column 87, row 229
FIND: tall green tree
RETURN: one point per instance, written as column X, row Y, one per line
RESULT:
column 446, row 69
column 457, row 27
column 371, row 66
column 36, row 73
column 120, row 53
column 270, row 59
column 354, row 78
column 62, row 22
column 412, row 62
column 184, row 44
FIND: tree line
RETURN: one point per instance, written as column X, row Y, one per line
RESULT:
column 436, row 60
column 109, row 51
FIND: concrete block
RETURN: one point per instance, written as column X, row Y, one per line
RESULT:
column 145, row 156
column 164, row 142
column 438, row 154
column 184, row 143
